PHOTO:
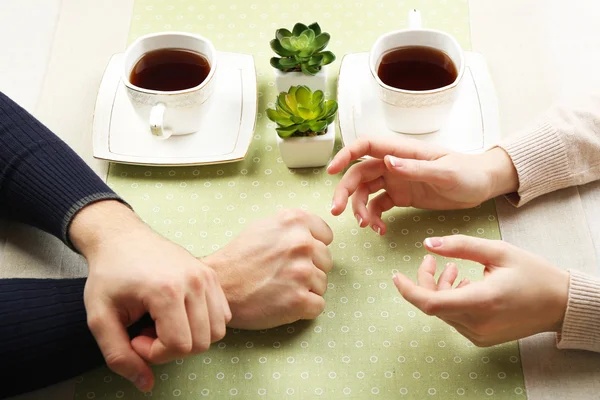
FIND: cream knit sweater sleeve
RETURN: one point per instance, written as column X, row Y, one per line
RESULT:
column 561, row 150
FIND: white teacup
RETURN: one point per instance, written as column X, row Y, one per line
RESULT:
column 409, row 111
column 171, row 112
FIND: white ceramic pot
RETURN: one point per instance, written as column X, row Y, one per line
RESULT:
column 307, row 152
column 284, row 80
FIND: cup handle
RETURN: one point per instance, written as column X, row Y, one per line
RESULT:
column 157, row 115
column 414, row 19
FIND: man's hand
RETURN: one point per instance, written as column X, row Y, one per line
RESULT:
column 275, row 272
column 417, row 174
column 133, row 270
column 521, row 293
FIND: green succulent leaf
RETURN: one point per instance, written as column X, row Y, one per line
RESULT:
column 282, row 33
column 302, row 42
column 288, row 63
column 297, row 120
column 290, row 100
column 286, row 43
column 316, row 60
column 330, row 120
column 304, row 97
column 306, row 113
column 286, row 132
column 275, row 63
column 308, row 70
column 279, row 49
column 315, row 27
column 298, row 29
column 317, row 98
column 331, row 107
column 328, row 57
column 305, row 54
column 304, row 127
column 318, row 126
column 281, row 103
column 279, row 119
column 321, row 41
column 310, row 34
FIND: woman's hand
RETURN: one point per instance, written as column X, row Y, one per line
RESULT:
column 520, row 295
column 417, row 174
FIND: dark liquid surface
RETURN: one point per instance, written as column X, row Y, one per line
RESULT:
column 417, row 68
column 170, row 70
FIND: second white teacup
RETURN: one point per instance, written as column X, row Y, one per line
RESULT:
column 170, row 112
column 416, row 111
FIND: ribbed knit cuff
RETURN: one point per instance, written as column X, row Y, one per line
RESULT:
column 540, row 158
column 78, row 206
column 581, row 326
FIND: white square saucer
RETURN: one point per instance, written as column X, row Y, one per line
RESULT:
column 120, row 135
column 473, row 125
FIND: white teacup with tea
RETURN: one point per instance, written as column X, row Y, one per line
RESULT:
column 417, row 73
column 169, row 78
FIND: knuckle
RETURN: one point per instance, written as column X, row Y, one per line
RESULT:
column 292, row 215
column 302, row 273
column 181, row 347
column 431, row 307
column 304, row 244
column 196, row 281
column 170, row 290
column 298, row 301
column 218, row 333
column 95, row 321
column 501, row 247
column 201, row 347
column 115, row 361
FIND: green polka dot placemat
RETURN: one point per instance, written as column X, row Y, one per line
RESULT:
column 369, row 342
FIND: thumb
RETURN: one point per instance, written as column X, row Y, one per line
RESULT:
column 418, row 170
column 113, row 340
column 483, row 251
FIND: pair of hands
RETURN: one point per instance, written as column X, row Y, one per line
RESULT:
column 521, row 294
column 274, row 273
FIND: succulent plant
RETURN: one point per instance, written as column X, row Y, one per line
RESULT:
column 301, row 49
column 300, row 112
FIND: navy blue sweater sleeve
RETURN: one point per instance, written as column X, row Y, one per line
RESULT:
column 43, row 182
column 44, row 338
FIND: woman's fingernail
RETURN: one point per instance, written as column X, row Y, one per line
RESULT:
column 394, row 162
column 433, row 242
column 376, row 229
column 329, row 166
column 395, row 279
column 332, row 206
column 359, row 219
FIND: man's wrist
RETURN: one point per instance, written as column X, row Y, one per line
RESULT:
column 503, row 177
column 101, row 221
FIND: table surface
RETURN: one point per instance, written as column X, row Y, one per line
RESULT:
column 538, row 51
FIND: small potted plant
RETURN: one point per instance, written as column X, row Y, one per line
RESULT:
column 305, row 127
column 302, row 60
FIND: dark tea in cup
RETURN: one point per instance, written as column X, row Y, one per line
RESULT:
column 417, row 68
column 170, row 70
